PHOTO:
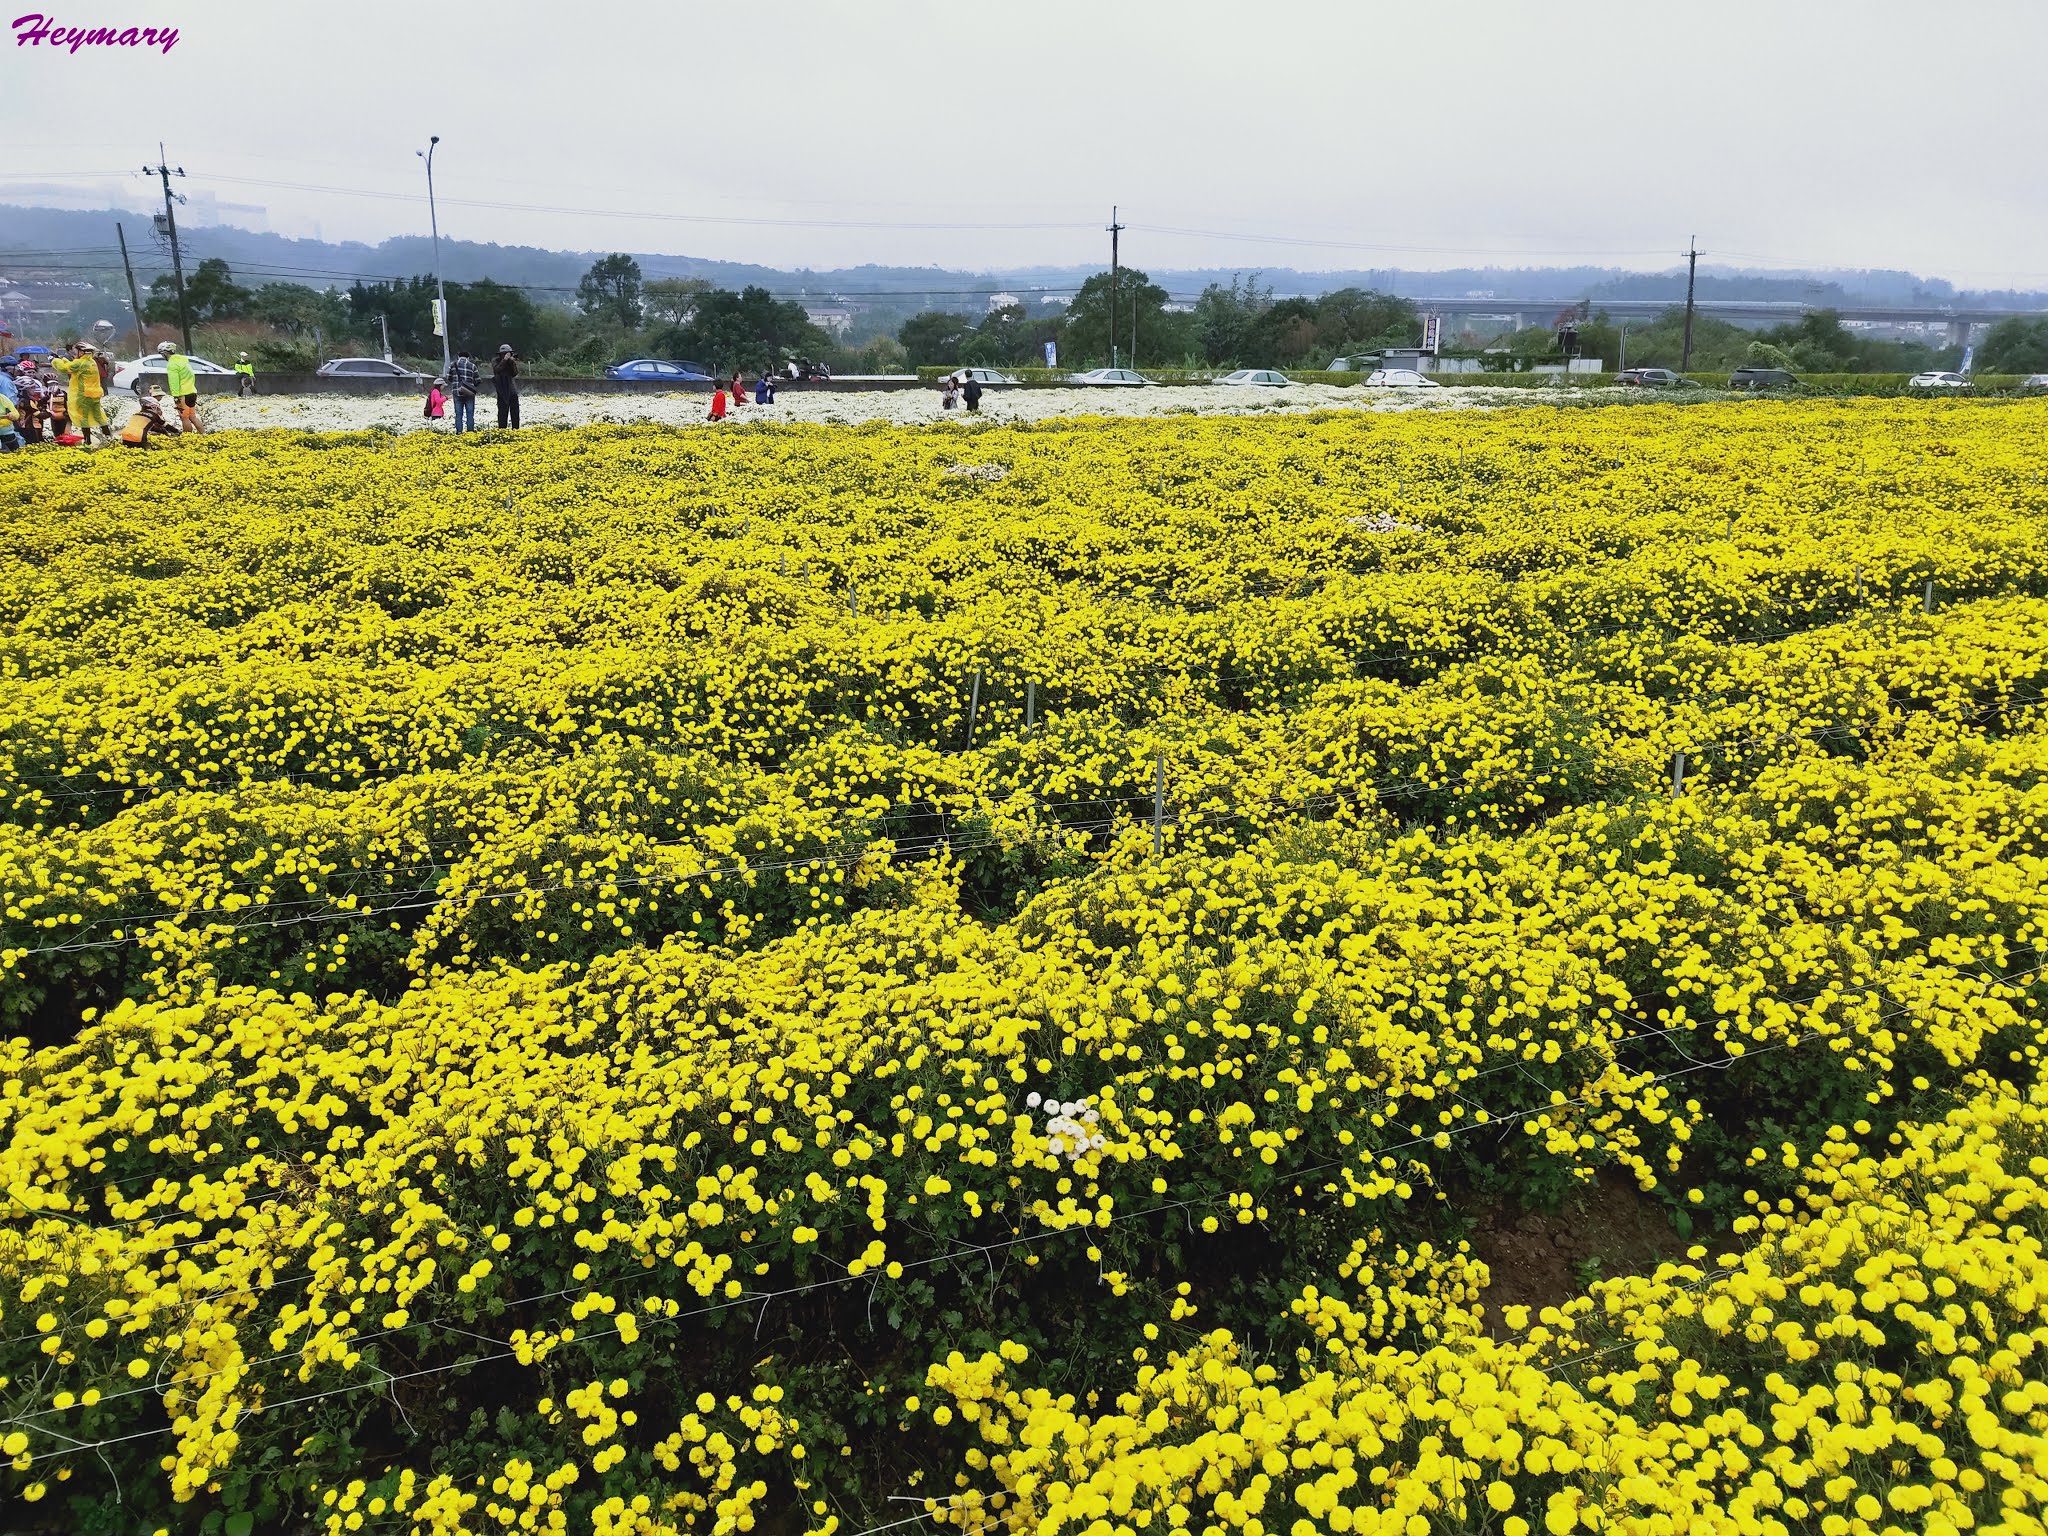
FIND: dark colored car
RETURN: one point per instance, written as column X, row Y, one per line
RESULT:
column 1651, row 378
column 657, row 371
column 1761, row 378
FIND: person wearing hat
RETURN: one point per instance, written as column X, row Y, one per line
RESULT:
column 181, row 385
column 151, row 420
column 86, row 394
column 505, row 375
column 245, row 376
column 29, row 394
column 57, row 420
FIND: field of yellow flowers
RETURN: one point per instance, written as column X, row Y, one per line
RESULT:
column 847, row 980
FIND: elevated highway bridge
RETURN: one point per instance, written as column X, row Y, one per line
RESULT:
column 1526, row 312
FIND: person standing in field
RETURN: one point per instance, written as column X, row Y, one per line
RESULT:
column 505, row 375
column 181, row 386
column 437, row 403
column 717, row 404
column 462, row 383
column 245, row 376
column 764, row 388
column 971, row 392
column 86, row 394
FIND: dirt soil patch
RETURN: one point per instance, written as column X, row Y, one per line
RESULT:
column 1540, row 1259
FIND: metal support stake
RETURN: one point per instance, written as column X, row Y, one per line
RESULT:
column 1927, row 597
column 974, row 706
column 1159, row 809
column 1678, row 772
column 853, row 601
column 785, row 562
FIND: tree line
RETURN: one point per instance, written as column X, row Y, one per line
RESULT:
column 618, row 313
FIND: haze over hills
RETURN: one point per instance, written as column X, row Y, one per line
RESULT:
column 80, row 244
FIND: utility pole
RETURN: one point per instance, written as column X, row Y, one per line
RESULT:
column 171, row 227
column 134, row 299
column 1692, row 264
column 434, row 222
column 385, row 326
column 1114, row 229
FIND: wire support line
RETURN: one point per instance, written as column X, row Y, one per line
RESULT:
column 348, row 906
column 962, row 1253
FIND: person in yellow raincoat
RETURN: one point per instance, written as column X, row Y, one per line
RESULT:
column 181, row 386
column 87, row 394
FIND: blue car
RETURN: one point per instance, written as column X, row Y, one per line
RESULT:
column 654, row 370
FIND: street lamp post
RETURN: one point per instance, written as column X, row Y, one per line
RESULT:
column 434, row 222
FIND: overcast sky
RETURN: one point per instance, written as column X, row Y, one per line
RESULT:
column 1428, row 133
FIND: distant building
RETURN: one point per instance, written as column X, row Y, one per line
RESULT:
column 997, row 300
column 829, row 317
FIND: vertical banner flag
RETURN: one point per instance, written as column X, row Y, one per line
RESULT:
column 1052, row 355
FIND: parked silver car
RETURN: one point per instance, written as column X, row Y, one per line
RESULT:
column 366, row 368
column 982, row 376
column 1115, row 377
column 1265, row 376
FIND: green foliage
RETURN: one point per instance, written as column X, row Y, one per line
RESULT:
column 1005, row 337
column 611, row 289
column 480, row 315
column 672, row 300
column 751, row 329
column 1244, row 326
column 297, row 310
column 1141, row 317
column 211, row 293
column 1816, row 342
column 935, row 338
column 2015, row 346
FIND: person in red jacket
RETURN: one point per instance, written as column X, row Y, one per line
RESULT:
column 717, row 404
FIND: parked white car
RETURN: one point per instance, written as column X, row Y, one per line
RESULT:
column 1937, row 381
column 1265, row 376
column 1123, row 377
column 990, row 376
column 2035, row 381
column 156, row 363
column 1400, row 378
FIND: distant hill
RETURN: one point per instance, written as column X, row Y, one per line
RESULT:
column 51, row 241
